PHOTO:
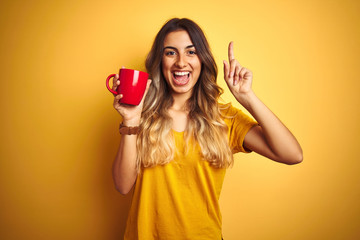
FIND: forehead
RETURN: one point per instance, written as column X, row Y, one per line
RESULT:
column 178, row 39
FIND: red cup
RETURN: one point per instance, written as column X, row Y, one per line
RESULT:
column 132, row 85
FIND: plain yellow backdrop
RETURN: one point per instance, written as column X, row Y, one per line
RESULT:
column 59, row 131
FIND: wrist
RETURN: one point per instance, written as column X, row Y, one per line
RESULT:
column 131, row 122
column 246, row 99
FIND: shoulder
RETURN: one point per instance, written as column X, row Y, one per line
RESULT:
column 232, row 115
column 227, row 110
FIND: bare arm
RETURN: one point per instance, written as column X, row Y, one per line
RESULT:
column 271, row 138
column 124, row 167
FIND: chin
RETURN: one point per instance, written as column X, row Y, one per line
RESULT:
column 181, row 90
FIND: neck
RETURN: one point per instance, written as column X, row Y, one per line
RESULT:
column 180, row 101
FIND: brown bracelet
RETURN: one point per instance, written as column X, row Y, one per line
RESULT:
column 128, row 130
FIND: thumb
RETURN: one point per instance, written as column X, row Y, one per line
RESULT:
column 149, row 81
column 226, row 70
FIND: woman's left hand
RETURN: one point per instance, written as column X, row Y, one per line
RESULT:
column 238, row 78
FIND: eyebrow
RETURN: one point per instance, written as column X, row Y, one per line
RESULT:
column 190, row 46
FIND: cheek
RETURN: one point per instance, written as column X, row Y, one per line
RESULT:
column 165, row 65
column 197, row 66
column 197, row 63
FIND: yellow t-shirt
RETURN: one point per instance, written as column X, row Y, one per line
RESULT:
column 180, row 200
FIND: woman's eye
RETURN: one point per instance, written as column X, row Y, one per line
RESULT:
column 191, row 52
column 170, row 53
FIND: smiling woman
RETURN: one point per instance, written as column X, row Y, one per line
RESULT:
column 181, row 66
column 178, row 158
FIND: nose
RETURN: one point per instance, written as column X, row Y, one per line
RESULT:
column 181, row 61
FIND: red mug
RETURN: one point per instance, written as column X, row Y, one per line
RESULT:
column 132, row 85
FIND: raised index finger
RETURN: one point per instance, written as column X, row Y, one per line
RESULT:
column 231, row 51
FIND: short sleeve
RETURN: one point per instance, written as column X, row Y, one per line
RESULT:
column 239, row 125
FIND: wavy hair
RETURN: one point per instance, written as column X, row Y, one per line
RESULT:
column 155, row 142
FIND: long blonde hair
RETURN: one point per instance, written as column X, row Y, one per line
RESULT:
column 155, row 142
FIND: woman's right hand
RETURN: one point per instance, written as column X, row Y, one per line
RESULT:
column 131, row 114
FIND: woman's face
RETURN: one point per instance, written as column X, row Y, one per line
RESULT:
column 181, row 65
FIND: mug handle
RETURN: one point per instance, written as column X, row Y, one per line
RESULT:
column 107, row 84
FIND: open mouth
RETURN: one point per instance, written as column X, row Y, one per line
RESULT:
column 181, row 78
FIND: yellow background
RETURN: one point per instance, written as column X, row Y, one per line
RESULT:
column 59, row 130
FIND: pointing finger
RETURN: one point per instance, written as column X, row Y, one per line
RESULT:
column 231, row 51
column 233, row 65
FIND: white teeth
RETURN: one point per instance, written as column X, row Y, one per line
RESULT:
column 181, row 73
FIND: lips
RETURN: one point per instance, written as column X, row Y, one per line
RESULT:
column 181, row 78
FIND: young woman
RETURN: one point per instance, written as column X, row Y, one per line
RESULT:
column 184, row 139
